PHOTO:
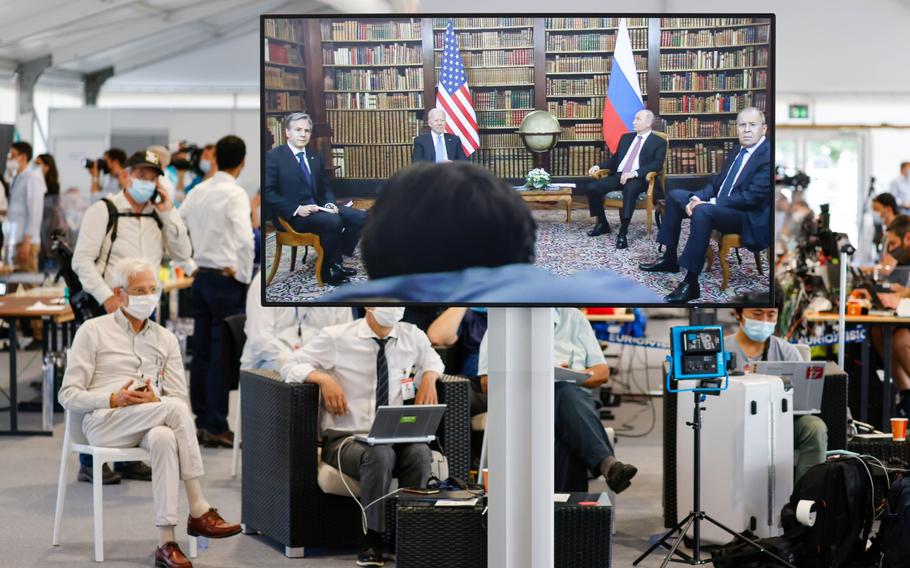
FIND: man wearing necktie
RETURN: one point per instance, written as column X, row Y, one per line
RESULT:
column 437, row 145
column 637, row 155
column 360, row 366
column 297, row 190
column 736, row 200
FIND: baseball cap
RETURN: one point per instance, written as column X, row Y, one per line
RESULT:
column 144, row 159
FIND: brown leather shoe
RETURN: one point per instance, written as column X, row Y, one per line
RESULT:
column 222, row 440
column 169, row 555
column 210, row 525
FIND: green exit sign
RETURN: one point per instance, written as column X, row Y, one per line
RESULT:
column 799, row 111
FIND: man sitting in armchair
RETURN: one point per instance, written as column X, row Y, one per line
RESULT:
column 360, row 366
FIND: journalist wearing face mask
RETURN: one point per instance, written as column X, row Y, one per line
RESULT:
column 753, row 341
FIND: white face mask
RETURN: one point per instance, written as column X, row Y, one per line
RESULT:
column 141, row 307
column 12, row 166
column 387, row 317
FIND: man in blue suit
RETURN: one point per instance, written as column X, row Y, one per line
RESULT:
column 436, row 145
column 737, row 200
column 297, row 190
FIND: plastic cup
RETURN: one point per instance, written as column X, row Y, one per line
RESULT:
column 899, row 429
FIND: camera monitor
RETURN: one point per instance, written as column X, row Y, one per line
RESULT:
column 597, row 159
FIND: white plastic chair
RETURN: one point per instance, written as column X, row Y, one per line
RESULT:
column 74, row 442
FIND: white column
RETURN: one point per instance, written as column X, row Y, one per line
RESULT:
column 520, row 438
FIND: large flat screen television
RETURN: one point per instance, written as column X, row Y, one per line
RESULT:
column 499, row 159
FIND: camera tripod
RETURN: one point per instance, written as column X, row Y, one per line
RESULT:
column 696, row 516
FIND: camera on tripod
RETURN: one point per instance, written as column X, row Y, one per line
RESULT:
column 101, row 162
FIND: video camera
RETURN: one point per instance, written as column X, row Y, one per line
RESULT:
column 102, row 165
column 191, row 162
column 798, row 181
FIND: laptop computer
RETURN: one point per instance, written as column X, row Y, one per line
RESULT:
column 806, row 377
column 410, row 424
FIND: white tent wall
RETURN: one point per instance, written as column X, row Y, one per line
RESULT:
column 81, row 133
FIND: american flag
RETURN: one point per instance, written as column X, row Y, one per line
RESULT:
column 453, row 95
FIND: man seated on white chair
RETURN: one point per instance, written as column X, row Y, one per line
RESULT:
column 125, row 373
column 273, row 334
column 360, row 366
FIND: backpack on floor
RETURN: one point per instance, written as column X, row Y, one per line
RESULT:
column 739, row 554
column 894, row 532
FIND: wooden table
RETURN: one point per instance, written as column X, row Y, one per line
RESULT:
column 561, row 196
column 887, row 323
column 14, row 308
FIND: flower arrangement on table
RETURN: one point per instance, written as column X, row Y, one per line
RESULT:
column 538, row 178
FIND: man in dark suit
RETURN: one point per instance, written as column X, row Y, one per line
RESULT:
column 736, row 200
column 297, row 190
column 436, row 145
column 637, row 155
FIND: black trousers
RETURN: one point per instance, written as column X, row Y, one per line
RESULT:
column 705, row 219
column 601, row 187
column 339, row 233
column 214, row 297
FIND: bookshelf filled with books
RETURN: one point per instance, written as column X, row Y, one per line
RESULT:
column 284, row 73
column 710, row 69
column 372, row 93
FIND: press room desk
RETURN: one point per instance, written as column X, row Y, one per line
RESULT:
column 622, row 317
column 13, row 308
column 887, row 323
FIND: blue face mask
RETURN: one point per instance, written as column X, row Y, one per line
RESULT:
column 141, row 190
column 205, row 166
column 758, row 331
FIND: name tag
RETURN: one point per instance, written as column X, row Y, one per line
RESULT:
column 407, row 388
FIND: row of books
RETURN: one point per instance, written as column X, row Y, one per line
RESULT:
column 385, row 54
column 501, row 76
column 596, row 85
column 501, row 118
column 374, row 79
column 505, row 162
column 707, row 38
column 493, row 58
column 508, row 99
column 592, row 108
column 588, row 64
column 380, row 127
column 499, row 140
column 712, row 103
column 441, row 23
column 699, row 159
column 280, row 78
column 576, row 160
column 693, row 127
column 587, row 23
column 283, row 102
column 590, row 131
column 352, row 30
column 282, row 53
column 474, row 40
column 702, row 59
column 276, row 130
column 745, row 79
column 286, row 29
column 373, row 101
column 594, row 42
column 708, row 22
column 380, row 162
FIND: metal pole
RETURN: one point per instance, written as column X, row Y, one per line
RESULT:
column 842, row 311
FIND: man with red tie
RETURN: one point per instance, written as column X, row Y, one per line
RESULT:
column 736, row 200
column 637, row 155
column 297, row 190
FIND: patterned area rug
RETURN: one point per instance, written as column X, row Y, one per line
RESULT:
column 563, row 248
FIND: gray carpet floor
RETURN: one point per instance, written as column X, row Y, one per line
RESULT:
column 29, row 468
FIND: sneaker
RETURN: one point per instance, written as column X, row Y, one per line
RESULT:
column 136, row 470
column 620, row 476
column 370, row 557
column 108, row 476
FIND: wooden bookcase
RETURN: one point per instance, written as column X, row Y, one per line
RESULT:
column 368, row 82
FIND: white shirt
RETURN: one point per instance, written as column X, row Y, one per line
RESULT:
column 900, row 189
column 106, row 353
column 136, row 238
column 26, row 205
column 644, row 138
column 296, row 151
column 217, row 215
column 272, row 334
column 436, row 145
column 348, row 352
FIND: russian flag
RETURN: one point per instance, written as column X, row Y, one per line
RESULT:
column 623, row 93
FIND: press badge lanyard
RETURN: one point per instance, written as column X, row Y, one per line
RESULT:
column 407, row 383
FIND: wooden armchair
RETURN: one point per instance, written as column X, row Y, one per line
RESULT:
column 289, row 237
column 724, row 244
column 613, row 200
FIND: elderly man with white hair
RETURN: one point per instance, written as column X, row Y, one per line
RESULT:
column 125, row 374
column 436, row 145
column 637, row 155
